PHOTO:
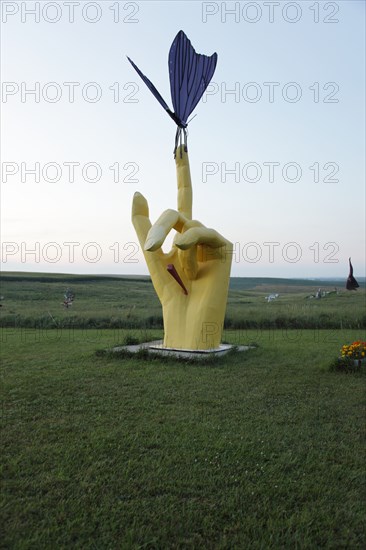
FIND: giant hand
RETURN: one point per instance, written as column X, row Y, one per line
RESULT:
column 192, row 280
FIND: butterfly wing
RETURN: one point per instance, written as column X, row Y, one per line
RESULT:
column 150, row 85
column 190, row 73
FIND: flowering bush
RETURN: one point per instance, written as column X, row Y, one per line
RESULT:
column 356, row 350
column 352, row 357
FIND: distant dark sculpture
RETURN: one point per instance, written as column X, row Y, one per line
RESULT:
column 351, row 283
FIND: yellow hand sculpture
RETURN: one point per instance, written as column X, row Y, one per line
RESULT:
column 200, row 258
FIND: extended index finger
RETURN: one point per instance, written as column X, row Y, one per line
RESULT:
column 184, row 182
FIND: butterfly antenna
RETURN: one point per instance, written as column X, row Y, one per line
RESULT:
column 194, row 116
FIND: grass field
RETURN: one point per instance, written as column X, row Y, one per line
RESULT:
column 263, row 449
column 35, row 300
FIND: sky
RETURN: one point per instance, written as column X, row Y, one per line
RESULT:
column 277, row 146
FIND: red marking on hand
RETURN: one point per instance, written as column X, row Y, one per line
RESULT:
column 174, row 273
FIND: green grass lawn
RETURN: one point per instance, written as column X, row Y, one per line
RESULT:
column 263, row 449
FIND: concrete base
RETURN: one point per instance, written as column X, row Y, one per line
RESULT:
column 156, row 347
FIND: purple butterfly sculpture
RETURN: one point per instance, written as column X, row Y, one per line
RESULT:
column 190, row 73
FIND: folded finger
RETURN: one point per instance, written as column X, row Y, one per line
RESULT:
column 200, row 235
column 158, row 232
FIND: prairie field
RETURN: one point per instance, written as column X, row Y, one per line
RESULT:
column 100, row 450
column 35, row 300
